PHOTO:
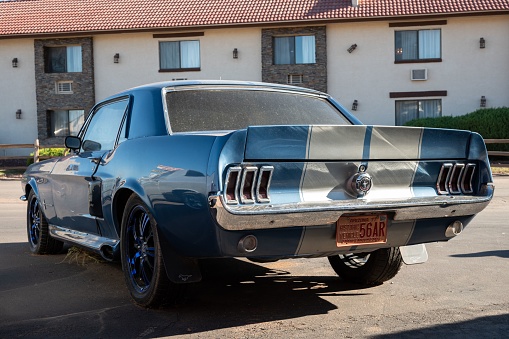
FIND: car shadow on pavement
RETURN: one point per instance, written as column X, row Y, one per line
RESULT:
column 501, row 254
column 44, row 295
column 483, row 327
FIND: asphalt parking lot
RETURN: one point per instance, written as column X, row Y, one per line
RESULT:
column 462, row 291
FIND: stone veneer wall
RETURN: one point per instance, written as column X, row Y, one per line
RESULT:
column 314, row 75
column 83, row 96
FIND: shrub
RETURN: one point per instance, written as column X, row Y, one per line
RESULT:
column 491, row 123
column 47, row 152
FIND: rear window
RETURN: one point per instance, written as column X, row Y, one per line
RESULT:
column 232, row 109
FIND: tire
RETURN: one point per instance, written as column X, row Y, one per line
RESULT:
column 368, row 268
column 39, row 237
column 142, row 261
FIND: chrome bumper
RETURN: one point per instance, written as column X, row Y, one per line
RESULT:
column 264, row 216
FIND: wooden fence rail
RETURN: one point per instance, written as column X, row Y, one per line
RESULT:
column 497, row 141
column 35, row 146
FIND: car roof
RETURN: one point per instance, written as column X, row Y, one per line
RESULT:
column 158, row 86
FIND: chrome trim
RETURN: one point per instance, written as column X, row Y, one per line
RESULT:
column 454, row 182
column 264, row 169
column 238, row 170
column 90, row 241
column 23, row 198
column 444, row 171
column 468, row 179
column 245, row 172
column 242, row 217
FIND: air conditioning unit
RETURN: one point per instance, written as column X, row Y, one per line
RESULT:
column 419, row 74
column 295, row 79
column 63, row 87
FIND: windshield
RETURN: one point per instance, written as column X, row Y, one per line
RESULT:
column 231, row 109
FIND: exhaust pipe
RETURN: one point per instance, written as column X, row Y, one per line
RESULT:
column 454, row 229
column 109, row 253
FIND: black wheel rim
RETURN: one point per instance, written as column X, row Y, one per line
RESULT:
column 354, row 260
column 34, row 222
column 140, row 253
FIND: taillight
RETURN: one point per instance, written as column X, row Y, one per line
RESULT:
column 263, row 186
column 455, row 178
column 247, row 185
column 231, row 184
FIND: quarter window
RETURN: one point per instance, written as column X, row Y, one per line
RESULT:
column 65, row 122
column 418, row 45
column 64, row 59
column 407, row 110
column 179, row 55
column 291, row 50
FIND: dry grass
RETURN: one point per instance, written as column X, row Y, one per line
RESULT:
column 81, row 257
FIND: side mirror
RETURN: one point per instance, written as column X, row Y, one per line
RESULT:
column 73, row 143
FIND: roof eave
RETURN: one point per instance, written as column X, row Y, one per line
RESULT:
column 304, row 22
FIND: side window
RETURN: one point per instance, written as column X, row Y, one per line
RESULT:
column 291, row 50
column 418, row 45
column 103, row 129
column 64, row 59
column 179, row 55
column 407, row 110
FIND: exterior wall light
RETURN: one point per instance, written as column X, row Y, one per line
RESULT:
column 116, row 57
column 352, row 48
column 354, row 105
column 18, row 114
column 482, row 43
column 235, row 53
column 15, row 62
column 483, row 101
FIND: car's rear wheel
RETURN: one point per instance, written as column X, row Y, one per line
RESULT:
column 372, row 268
column 142, row 261
column 39, row 237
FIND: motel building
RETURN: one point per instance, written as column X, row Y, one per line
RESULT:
column 388, row 61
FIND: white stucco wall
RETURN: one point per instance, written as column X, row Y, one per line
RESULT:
column 17, row 91
column 466, row 72
column 139, row 59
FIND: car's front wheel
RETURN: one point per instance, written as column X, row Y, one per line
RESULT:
column 142, row 261
column 372, row 268
column 39, row 237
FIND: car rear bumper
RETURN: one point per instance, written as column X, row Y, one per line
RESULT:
column 265, row 216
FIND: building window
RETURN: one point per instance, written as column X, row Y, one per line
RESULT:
column 290, row 50
column 65, row 59
column 179, row 55
column 421, row 45
column 65, row 122
column 407, row 110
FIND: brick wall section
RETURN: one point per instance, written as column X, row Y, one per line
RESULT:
column 314, row 75
column 83, row 96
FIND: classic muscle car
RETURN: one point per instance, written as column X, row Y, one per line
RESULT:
column 163, row 175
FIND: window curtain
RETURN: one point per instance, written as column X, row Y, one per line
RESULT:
column 305, row 49
column 406, row 111
column 429, row 44
column 59, row 123
column 406, row 45
column 190, row 54
column 430, row 108
column 76, row 119
column 169, row 55
column 283, row 50
column 74, row 62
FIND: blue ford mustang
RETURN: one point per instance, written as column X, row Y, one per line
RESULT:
column 165, row 174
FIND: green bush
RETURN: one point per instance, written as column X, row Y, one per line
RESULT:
column 47, row 152
column 491, row 123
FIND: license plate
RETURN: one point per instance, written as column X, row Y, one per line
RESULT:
column 361, row 230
